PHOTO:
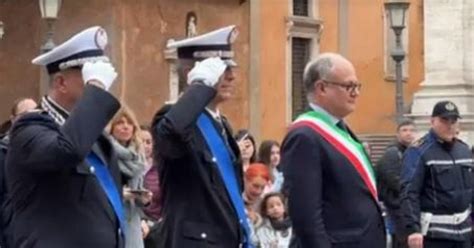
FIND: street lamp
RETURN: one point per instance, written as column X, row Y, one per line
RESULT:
column 2, row 30
column 49, row 12
column 396, row 13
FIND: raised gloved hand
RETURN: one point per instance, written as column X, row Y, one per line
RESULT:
column 207, row 71
column 101, row 71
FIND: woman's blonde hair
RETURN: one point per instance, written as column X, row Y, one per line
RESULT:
column 136, row 141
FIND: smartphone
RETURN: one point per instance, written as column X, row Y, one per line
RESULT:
column 243, row 137
column 139, row 191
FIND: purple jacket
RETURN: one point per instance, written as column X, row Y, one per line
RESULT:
column 152, row 183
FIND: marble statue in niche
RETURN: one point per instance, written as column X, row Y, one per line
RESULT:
column 191, row 24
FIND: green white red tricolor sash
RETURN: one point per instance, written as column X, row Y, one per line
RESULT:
column 343, row 142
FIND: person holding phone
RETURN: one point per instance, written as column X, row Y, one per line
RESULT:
column 124, row 131
column 247, row 148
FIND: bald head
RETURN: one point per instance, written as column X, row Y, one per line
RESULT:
column 22, row 106
column 322, row 68
column 331, row 82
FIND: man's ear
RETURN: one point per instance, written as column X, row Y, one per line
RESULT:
column 59, row 82
column 319, row 87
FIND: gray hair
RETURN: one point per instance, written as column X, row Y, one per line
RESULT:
column 318, row 69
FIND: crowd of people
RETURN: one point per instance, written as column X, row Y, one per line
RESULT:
column 78, row 169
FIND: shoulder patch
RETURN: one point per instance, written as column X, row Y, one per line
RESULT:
column 419, row 142
column 462, row 141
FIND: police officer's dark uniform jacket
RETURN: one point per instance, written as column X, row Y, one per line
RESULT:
column 197, row 211
column 437, row 180
column 58, row 201
column 5, row 212
column 56, row 196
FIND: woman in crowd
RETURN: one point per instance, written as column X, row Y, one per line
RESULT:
column 152, row 183
column 147, row 141
column 275, row 230
column 269, row 154
column 247, row 147
column 125, row 137
column 256, row 178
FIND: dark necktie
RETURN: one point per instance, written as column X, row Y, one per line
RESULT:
column 223, row 132
column 221, row 127
column 342, row 126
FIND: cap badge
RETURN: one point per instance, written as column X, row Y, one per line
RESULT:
column 101, row 39
column 449, row 106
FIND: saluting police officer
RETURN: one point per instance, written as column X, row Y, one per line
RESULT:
column 198, row 159
column 436, row 194
column 62, row 173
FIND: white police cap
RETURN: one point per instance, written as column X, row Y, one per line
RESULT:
column 216, row 43
column 86, row 46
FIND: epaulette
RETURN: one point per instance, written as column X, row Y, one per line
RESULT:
column 419, row 142
column 36, row 111
column 462, row 142
column 41, row 111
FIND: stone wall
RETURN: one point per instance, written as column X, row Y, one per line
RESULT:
column 138, row 32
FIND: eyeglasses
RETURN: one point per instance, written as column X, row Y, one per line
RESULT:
column 349, row 87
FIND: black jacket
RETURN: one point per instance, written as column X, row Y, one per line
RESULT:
column 196, row 209
column 56, row 197
column 388, row 169
column 436, row 178
column 5, row 212
column 329, row 204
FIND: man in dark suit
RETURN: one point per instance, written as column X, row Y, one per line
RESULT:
column 61, row 172
column 198, row 159
column 328, row 176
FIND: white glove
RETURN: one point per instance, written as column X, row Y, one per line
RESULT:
column 101, row 71
column 208, row 71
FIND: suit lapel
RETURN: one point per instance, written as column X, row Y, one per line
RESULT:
column 107, row 206
column 352, row 134
column 96, row 149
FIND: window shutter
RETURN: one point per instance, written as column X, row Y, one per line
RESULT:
column 300, row 55
column 300, row 8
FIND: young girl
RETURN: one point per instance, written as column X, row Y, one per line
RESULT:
column 247, row 147
column 275, row 231
column 269, row 154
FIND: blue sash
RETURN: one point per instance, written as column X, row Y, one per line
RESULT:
column 108, row 185
column 219, row 150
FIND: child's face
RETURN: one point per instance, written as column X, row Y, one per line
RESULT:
column 275, row 208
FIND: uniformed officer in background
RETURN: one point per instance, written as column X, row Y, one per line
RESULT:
column 437, row 185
